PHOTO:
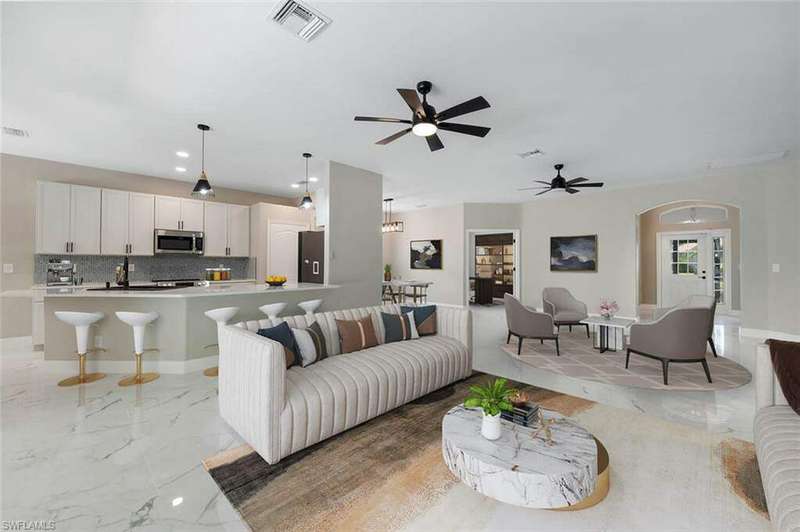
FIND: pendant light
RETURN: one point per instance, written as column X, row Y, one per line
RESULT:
column 306, row 202
column 388, row 225
column 203, row 188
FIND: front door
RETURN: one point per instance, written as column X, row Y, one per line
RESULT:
column 684, row 267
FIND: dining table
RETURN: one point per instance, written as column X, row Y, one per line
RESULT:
column 396, row 291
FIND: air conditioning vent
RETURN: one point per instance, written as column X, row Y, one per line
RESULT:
column 14, row 132
column 302, row 20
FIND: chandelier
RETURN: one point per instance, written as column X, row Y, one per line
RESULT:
column 388, row 225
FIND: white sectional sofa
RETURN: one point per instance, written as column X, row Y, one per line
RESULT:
column 279, row 412
column 777, row 441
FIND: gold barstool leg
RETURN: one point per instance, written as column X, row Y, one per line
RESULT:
column 139, row 377
column 211, row 372
column 82, row 377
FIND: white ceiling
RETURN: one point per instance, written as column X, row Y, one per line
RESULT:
column 627, row 93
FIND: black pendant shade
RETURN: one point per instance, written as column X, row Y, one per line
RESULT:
column 202, row 189
column 306, row 202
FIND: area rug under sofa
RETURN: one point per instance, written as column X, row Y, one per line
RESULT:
column 388, row 474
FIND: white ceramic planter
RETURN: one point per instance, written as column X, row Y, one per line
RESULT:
column 490, row 428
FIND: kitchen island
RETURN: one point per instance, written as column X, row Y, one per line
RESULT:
column 182, row 333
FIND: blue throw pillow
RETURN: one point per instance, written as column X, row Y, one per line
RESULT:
column 282, row 334
column 424, row 318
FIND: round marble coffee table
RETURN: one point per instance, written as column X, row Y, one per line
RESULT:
column 522, row 467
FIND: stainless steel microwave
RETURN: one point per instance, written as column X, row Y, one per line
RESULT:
column 184, row 242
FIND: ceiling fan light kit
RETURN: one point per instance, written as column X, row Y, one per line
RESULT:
column 570, row 186
column 426, row 122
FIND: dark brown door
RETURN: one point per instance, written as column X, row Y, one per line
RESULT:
column 312, row 256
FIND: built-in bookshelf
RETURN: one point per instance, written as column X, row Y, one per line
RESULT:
column 494, row 258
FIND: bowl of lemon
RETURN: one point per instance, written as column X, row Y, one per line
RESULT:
column 276, row 280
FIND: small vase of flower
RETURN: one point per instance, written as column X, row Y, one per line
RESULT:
column 492, row 399
column 608, row 308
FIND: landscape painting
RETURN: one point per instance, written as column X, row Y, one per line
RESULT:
column 426, row 254
column 573, row 253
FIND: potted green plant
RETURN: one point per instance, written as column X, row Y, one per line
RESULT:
column 492, row 399
column 387, row 272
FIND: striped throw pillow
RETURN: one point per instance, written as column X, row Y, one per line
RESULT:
column 356, row 335
column 399, row 326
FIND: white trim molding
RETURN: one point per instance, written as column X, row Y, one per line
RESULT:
column 763, row 334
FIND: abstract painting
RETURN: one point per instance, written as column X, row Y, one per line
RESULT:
column 426, row 254
column 573, row 253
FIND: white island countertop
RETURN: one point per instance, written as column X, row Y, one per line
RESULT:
column 236, row 289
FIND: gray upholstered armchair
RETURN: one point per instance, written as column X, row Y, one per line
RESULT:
column 524, row 322
column 696, row 301
column 678, row 335
column 564, row 308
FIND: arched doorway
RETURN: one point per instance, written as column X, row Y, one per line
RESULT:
column 689, row 247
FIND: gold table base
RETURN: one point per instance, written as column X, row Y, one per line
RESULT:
column 139, row 377
column 82, row 377
column 211, row 372
column 601, row 486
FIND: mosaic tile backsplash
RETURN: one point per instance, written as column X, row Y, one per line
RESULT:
column 100, row 268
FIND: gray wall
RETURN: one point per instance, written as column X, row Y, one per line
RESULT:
column 353, row 234
column 767, row 196
column 18, row 176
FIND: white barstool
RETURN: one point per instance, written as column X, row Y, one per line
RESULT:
column 81, row 321
column 138, row 320
column 221, row 316
column 310, row 306
column 272, row 310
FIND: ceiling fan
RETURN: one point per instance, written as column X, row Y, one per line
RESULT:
column 560, row 182
column 425, row 121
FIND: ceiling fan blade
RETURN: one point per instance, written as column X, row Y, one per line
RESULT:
column 548, row 183
column 543, row 191
column 392, row 138
column 411, row 98
column 589, row 185
column 434, row 142
column 534, row 188
column 477, row 131
column 572, row 190
column 380, row 119
column 576, row 180
column 470, row 106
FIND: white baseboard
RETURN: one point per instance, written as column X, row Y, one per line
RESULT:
column 168, row 367
column 16, row 342
column 763, row 334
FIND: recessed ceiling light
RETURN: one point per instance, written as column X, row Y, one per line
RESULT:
column 177, row 501
column 532, row 153
column 313, row 179
column 180, row 169
column 16, row 132
column 182, row 154
column 295, row 185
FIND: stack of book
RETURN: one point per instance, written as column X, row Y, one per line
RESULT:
column 524, row 414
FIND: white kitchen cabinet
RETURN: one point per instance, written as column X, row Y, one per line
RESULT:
column 192, row 215
column 67, row 219
column 216, row 230
column 141, row 218
column 168, row 213
column 238, row 230
column 227, row 230
column 52, row 217
column 178, row 213
column 114, row 230
column 84, row 220
column 127, row 223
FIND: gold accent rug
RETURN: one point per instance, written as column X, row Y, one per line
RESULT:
column 388, row 474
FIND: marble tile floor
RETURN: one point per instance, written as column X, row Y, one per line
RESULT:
column 101, row 457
